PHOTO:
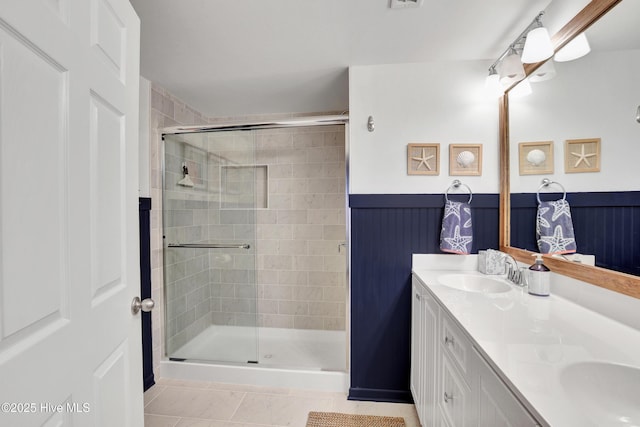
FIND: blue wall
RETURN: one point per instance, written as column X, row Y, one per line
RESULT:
column 144, row 209
column 606, row 224
column 385, row 231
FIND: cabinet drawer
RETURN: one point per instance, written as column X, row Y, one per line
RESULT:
column 455, row 344
column 454, row 395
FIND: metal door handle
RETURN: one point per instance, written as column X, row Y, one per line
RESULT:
column 145, row 305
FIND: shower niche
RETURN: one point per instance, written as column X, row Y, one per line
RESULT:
column 237, row 183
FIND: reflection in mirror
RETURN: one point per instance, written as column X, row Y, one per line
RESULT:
column 593, row 98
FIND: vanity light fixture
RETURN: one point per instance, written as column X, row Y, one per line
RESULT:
column 537, row 45
column 511, row 68
column 576, row 48
column 492, row 83
column 546, row 71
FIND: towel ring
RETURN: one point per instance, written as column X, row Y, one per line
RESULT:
column 547, row 182
column 455, row 184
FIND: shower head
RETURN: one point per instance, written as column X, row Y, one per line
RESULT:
column 186, row 180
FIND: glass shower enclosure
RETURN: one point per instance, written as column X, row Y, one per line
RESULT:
column 254, row 233
column 211, row 193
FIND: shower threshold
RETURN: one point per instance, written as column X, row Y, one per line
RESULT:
column 306, row 359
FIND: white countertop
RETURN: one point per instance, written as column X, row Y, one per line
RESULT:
column 529, row 340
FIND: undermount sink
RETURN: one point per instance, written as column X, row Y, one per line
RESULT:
column 607, row 393
column 474, row 283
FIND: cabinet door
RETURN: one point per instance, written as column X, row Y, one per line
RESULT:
column 454, row 394
column 417, row 344
column 429, row 321
column 424, row 346
column 497, row 406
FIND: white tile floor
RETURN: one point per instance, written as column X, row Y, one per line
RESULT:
column 172, row 403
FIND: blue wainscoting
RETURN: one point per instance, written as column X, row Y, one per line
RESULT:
column 144, row 212
column 385, row 231
column 606, row 224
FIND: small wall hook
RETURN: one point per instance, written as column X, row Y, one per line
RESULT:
column 370, row 125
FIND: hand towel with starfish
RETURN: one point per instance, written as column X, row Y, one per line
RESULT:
column 456, row 235
column 554, row 228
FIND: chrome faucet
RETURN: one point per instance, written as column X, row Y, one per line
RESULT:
column 514, row 273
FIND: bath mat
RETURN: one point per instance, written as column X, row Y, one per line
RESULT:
column 334, row 419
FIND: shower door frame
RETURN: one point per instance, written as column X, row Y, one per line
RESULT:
column 327, row 120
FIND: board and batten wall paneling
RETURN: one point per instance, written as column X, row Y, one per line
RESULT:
column 385, row 231
column 606, row 224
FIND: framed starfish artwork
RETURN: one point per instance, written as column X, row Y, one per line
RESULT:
column 423, row 159
column 582, row 155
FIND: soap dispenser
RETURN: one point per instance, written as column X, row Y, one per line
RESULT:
column 539, row 278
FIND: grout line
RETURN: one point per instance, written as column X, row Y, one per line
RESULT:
column 167, row 417
column 164, row 387
column 238, row 407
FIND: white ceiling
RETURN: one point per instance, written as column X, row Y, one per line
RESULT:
column 242, row 57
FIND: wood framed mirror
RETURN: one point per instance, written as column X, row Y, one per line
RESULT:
column 616, row 281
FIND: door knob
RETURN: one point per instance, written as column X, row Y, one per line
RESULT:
column 145, row 305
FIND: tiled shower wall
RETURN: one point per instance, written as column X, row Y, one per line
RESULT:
column 300, row 263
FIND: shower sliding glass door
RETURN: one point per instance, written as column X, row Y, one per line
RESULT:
column 211, row 191
column 255, row 253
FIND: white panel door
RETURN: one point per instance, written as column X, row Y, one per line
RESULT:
column 70, row 351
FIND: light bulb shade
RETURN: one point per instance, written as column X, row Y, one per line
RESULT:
column 511, row 70
column 537, row 46
column 492, row 85
column 546, row 71
column 523, row 89
column 576, row 48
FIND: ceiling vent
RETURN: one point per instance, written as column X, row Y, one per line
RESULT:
column 402, row 4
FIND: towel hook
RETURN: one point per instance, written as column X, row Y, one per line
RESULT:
column 456, row 184
column 547, row 182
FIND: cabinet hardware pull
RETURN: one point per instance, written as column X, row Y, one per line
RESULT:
column 418, row 297
column 447, row 397
column 448, row 341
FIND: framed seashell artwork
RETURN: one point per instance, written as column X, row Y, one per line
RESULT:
column 535, row 158
column 582, row 155
column 423, row 159
column 465, row 159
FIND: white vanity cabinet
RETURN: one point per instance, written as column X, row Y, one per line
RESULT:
column 451, row 383
column 423, row 352
column 497, row 406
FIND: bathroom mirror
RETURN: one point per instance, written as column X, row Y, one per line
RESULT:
column 515, row 129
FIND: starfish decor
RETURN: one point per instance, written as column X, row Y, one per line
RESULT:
column 557, row 243
column 458, row 242
column 424, row 160
column 583, row 157
column 542, row 221
column 560, row 207
column 452, row 208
